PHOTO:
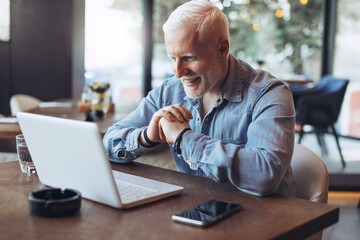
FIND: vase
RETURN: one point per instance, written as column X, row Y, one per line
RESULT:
column 100, row 103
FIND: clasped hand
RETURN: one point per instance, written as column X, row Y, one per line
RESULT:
column 168, row 122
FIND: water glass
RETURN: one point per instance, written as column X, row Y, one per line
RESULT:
column 23, row 154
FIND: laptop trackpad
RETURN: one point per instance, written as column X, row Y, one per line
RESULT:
column 157, row 186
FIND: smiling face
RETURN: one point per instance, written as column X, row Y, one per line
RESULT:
column 199, row 65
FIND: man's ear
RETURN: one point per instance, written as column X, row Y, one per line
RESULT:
column 224, row 46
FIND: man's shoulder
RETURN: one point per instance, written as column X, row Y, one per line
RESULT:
column 244, row 80
column 260, row 79
column 264, row 78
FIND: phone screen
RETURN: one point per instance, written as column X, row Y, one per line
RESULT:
column 206, row 213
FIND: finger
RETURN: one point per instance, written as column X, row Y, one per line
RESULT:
column 152, row 135
column 164, row 112
column 161, row 132
column 152, row 131
column 187, row 115
column 179, row 112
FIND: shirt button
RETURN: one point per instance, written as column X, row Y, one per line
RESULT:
column 189, row 163
column 198, row 119
column 131, row 146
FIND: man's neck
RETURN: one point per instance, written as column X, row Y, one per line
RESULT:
column 209, row 98
column 206, row 103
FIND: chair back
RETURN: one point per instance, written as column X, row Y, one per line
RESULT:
column 311, row 175
column 22, row 102
column 301, row 90
column 322, row 107
column 323, row 81
column 336, row 88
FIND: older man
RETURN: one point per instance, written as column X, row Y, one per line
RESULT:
column 223, row 119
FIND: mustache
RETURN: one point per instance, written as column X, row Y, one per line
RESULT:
column 188, row 77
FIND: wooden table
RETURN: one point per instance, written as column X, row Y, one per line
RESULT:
column 275, row 217
column 10, row 130
column 295, row 79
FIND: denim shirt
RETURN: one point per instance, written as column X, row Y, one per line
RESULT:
column 246, row 138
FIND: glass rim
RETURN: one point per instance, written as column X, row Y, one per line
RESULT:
column 20, row 136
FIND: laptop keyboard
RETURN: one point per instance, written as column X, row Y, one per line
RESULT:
column 131, row 192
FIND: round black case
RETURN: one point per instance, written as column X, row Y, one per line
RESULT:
column 54, row 202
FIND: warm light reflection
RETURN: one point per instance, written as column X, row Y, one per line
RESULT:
column 279, row 13
column 4, row 20
column 226, row 3
column 303, row 2
column 254, row 11
column 256, row 27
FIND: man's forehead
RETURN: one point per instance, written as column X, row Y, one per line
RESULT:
column 181, row 48
column 187, row 30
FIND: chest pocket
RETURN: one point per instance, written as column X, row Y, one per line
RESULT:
column 231, row 127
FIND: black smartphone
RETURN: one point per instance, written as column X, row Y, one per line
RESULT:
column 206, row 213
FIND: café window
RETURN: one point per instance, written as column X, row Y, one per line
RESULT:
column 4, row 20
column 113, row 47
column 283, row 37
column 161, row 65
column 347, row 62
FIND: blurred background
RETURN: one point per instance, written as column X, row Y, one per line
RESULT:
column 62, row 46
column 283, row 37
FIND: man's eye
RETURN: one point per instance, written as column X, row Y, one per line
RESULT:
column 189, row 58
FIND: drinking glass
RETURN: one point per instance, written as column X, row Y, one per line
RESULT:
column 23, row 154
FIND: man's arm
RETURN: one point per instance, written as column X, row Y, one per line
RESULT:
column 121, row 140
column 125, row 140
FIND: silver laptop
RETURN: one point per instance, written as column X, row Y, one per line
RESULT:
column 70, row 154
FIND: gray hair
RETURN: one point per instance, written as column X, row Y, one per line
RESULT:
column 205, row 16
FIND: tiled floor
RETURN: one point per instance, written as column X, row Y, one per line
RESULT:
column 348, row 227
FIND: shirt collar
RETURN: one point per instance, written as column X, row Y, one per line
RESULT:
column 232, row 89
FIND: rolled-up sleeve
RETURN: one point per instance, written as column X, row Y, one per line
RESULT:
column 121, row 141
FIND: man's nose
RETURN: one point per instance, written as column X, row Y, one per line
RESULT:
column 179, row 69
